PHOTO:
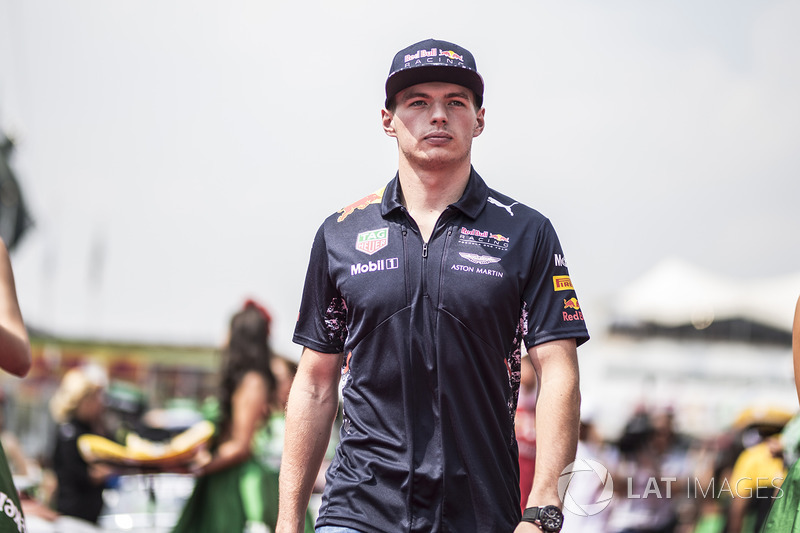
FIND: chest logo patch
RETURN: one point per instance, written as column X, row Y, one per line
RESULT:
column 373, row 240
column 483, row 238
column 479, row 259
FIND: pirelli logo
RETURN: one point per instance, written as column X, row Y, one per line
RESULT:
column 562, row 283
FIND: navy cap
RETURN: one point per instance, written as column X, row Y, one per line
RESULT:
column 434, row 60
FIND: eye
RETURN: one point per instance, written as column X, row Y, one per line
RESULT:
column 417, row 103
column 457, row 103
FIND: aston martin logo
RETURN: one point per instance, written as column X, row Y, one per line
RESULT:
column 479, row 259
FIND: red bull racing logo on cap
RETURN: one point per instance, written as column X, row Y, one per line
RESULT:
column 433, row 56
column 572, row 303
column 373, row 240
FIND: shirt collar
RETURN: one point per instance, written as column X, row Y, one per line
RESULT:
column 471, row 202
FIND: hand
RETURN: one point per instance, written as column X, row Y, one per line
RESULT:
column 100, row 472
column 200, row 460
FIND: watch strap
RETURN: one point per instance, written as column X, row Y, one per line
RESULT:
column 531, row 514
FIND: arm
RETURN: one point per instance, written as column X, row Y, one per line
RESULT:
column 557, row 423
column 249, row 409
column 310, row 411
column 796, row 347
column 15, row 350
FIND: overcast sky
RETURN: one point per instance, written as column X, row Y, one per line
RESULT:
column 178, row 157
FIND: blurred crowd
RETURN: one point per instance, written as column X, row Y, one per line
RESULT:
column 653, row 478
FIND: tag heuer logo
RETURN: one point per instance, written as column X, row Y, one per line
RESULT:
column 371, row 241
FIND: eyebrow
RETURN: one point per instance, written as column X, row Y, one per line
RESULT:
column 419, row 94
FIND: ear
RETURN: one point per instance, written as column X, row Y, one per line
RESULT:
column 480, row 122
column 387, row 120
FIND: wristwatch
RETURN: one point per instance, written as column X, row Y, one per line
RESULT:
column 549, row 518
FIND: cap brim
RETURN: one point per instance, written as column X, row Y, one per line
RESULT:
column 405, row 78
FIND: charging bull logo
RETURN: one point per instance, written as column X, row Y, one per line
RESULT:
column 374, row 198
column 576, row 313
column 451, row 54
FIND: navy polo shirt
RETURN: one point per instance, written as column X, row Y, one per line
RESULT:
column 432, row 335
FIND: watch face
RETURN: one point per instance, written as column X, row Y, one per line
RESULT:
column 551, row 518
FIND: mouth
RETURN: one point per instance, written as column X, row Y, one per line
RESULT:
column 438, row 137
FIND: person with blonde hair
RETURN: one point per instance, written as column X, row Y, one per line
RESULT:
column 77, row 407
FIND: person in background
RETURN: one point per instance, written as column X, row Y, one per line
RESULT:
column 235, row 491
column 783, row 516
column 272, row 446
column 525, row 428
column 15, row 358
column 77, row 407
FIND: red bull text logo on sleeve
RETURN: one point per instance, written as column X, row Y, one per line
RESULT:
column 374, row 198
column 562, row 283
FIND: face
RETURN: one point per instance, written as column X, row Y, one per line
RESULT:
column 91, row 406
column 434, row 124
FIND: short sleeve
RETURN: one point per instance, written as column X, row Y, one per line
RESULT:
column 322, row 321
column 549, row 299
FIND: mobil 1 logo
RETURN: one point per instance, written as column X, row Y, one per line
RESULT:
column 375, row 266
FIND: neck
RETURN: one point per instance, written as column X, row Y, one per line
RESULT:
column 426, row 194
column 431, row 191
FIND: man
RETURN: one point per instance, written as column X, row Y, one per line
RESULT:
column 420, row 295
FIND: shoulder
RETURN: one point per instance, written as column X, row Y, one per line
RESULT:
column 253, row 381
column 360, row 215
column 511, row 209
column 371, row 201
column 357, row 212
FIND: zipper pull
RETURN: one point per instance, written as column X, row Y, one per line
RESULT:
column 424, row 249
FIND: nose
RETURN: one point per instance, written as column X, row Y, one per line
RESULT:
column 438, row 113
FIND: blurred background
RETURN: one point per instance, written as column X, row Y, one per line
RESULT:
column 164, row 161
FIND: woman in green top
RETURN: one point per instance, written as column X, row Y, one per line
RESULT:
column 15, row 358
column 235, row 491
